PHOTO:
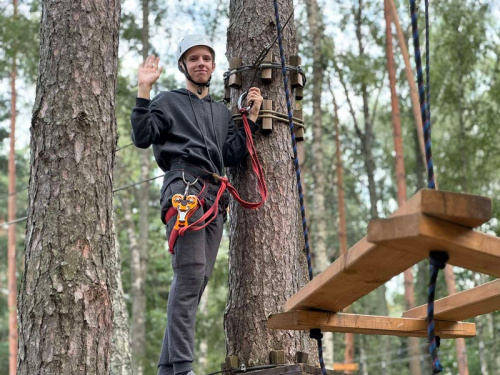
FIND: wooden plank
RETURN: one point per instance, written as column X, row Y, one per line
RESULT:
column 366, row 324
column 354, row 274
column 464, row 209
column 419, row 234
column 468, row 304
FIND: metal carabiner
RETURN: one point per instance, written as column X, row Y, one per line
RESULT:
column 240, row 102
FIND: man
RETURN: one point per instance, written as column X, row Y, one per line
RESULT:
column 192, row 137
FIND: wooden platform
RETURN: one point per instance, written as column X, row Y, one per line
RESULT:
column 477, row 301
column 431, row 220
column 367, row 324
column 417, row 234
column 368, row 265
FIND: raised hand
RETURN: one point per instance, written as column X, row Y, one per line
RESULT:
column 149, row 71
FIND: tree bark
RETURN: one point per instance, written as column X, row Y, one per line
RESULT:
column 139, row 253
column 266, row 259
column 11, row 256
column 413, row 344
column 65, row 307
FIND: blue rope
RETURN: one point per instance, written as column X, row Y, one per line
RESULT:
column 437, row 258
column 294, row 142
column 437, row 261
column 315, row 333
column 424, row 104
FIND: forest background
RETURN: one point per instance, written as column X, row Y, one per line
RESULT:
column 465, row 87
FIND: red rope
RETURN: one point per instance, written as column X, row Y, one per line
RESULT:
column 225, row 184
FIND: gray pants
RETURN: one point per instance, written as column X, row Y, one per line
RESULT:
column 193, row 262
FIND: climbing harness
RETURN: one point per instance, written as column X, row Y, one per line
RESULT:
column 223, row 182
column 316, row 333
column 437, row 259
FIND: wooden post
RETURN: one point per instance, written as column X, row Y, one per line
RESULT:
column 295, row 77
column 267, row 123
column 232, row 362
column 267, row 74
column 299, row 93
column 277, row 357
column 302, row 357
column 235, row 79
column 227, row 92
column 299, row 130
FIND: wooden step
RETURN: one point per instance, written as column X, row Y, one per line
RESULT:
column 463, row 209
column 366, row 266
column 419, row 234
column 468, row 304
column 367, row 324
column 354, row 274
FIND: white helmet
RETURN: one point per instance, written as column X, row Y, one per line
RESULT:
column 193, row 40
column 186, row 43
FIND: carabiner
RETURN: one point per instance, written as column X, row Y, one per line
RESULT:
column 240, row 102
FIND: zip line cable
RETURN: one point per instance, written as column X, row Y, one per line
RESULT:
column 27, row 187
column 114, row 191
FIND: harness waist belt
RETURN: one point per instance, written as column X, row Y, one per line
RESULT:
column 196, row 171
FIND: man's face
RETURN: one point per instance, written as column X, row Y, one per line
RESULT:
column 199, row 62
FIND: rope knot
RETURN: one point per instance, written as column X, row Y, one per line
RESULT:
column 438, row 259
column 316, row 334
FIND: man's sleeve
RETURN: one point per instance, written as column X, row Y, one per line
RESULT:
column 149, row 123
column 235, row 149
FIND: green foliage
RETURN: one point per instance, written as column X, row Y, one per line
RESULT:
column 465, row 87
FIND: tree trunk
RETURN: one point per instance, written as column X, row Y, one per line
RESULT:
column 121, row 357
column 266, row 259
column 65, row 307
column 11, row 257
column 322, row 258
column 413, row 342
column 139, row 254
column 415, row 104
column 463, row 367
column 367, row 144
column 344, row 247
column 319, row 244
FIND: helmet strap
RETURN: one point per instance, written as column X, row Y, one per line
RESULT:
column 200, row 85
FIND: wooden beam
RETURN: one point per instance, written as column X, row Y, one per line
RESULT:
column 367, row 324
column 463, row 209
column 419, row 234
column 354, row 274
column 477, row 301
column 366, row 266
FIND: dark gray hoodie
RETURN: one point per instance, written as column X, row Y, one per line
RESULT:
column 184, row 128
